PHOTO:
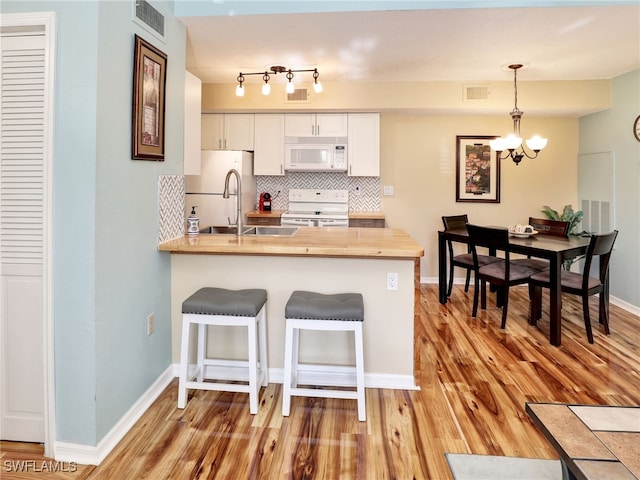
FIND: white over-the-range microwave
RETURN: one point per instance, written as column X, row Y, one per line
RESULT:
column 316, row 157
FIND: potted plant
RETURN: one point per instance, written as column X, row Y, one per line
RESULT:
column 574, row 218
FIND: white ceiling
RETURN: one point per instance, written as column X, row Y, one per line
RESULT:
column 558, row 43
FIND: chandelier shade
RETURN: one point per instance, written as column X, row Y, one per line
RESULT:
column 512, row 142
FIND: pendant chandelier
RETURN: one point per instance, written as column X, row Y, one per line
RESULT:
column 512, row 142
column 266, row 76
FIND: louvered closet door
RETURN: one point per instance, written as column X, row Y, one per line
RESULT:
column 22, row 197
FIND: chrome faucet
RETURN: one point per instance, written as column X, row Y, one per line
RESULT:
column 225, row 194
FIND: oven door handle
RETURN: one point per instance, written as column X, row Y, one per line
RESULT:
column 297, row 222
column 333, row 223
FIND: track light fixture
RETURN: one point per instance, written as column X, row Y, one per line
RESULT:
column 266, row 76
column 513, row 141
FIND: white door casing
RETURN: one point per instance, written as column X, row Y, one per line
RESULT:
column 26, row 141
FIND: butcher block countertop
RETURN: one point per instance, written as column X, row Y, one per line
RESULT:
column 308, row 241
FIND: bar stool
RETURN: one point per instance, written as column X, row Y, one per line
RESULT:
column 220, row 307
column 316, row 311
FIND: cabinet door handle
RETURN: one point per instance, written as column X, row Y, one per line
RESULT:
column 312, row 130
column 225, row 143
column 220, row 143
column 318, row 130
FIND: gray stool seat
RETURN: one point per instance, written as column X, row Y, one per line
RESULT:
column 312, row 305
column 219, row 307
column 329, row 312
column 220, row 301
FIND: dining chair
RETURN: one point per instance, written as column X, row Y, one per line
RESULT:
column 463, row 260
column 502, row 273
column 550, row 227
column 582, row 284
column 546, row 227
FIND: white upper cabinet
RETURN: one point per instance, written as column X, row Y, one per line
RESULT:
column 227, row 131
column 192, row 128
column 268, row 157
column 363, row 148
column 315, row 125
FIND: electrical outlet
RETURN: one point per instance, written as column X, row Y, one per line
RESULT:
column 151, row 323
column 392, row 281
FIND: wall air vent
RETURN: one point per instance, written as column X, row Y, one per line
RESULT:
column 149, row 16
column 299, row 95
column 476, row 92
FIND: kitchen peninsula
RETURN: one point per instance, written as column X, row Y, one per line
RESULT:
column 321, row 259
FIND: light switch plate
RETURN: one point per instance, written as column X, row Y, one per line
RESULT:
column 388, row 191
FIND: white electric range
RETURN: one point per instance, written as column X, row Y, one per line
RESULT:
column 317, row 208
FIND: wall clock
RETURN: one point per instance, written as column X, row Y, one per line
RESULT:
column 636, row 128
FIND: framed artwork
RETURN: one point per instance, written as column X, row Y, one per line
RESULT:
column 149, row 79
column 477, row 170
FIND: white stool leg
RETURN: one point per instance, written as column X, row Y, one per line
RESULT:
column 184, row 364
column 262, row 340
column 254, row 388
column 202, row 350
column 362, row 411
column 295, row 353
column 288, row 359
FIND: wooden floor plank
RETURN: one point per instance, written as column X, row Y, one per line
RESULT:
column 474, row 380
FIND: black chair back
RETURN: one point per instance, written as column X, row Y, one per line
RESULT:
column 455, row 222
column 600, row 246
column 492, row 238
column 550, row 227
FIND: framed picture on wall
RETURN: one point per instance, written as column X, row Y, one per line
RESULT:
column 477, row 170
column 149, row 79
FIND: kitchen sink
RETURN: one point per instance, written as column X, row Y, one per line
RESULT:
column 220, row 230
column 272, row 231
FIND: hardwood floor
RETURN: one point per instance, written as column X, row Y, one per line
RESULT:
column 474, row 382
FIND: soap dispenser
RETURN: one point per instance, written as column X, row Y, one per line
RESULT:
column 193, row 222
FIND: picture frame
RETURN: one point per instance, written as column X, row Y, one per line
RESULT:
column 148, row 112
column 477, row 170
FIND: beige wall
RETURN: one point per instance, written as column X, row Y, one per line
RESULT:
column 419, row 124
column 418, row 158
column 388, row 325
column 539, row 98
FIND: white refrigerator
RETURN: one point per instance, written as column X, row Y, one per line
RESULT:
column 205, row 190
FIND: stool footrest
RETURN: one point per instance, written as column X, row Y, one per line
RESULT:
column 321, row 393
column 218, row 387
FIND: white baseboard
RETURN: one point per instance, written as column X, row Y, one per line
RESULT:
column 633, row 309
column 325, row 375
column 89, row 455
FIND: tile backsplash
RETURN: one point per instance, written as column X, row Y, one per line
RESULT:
column 170, row 207
column 364, row 195
column 364, row 192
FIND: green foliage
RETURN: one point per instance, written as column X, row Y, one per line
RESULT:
column 568, row 215
column 574, row 218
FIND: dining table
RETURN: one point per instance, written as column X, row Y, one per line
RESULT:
column 594, row 442
column 553, row 248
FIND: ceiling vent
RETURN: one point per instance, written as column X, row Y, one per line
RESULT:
column 299, row 95
column 149, row 16
column 476, row 92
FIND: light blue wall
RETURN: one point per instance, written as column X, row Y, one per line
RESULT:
column 108, row 274
column 188, row 8
column 611, row 130
column 132, row 277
